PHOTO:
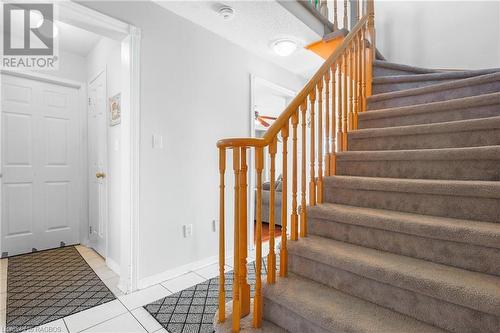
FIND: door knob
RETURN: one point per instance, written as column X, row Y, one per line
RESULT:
column 100, row 175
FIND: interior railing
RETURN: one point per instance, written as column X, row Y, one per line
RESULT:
column 324, row 111
column 342, row 14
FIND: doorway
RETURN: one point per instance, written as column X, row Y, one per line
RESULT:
column 268, row 100
column 55, row 192
column 98, row 164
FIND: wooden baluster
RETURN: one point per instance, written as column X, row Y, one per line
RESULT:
column 222, row 247
column 345, row 109
column 244, row 286
column 294, row 219
column 303, row 211
column 284, row 208
column 236, row 271
column 371, row 50
column 351, row 90
column 334, row 121
column 354, row 83
column 257, row 302
column 327, row 123
column 271, row 258
column 358, row 79
column 335, row 20
column 363, row 70
column 319, row 182
column 312, row 177
column 358, row 9
column 346, row 22
column 340, row 135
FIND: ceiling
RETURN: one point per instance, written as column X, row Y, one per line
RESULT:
column 255, row 25
column 76, row 40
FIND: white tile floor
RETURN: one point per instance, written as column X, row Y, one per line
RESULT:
column 125, row 314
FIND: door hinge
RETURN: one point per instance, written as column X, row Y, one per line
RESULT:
column 89, row 101
column 90, row 230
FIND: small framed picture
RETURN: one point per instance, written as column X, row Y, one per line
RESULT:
column 115, row 110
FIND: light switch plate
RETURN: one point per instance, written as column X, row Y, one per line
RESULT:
column 157, row 141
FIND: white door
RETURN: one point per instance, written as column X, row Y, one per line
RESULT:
column 97, row 139
column 40, row 149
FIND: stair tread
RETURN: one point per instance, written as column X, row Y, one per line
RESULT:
column 443, row 228
column 458, row 103
column 471, row 289
column 336, row 311
column 436, row 87
column 477, row 188
column 444, row 127
column 407, row 68
column 462, row 153
column 433, row 76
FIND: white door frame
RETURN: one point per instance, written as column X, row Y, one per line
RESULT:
column 130, row 38
column 255, row 80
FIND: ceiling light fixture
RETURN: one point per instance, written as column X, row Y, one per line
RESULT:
column 226, row 12
column 284, row 47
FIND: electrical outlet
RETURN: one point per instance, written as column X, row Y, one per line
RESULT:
column 188, row 230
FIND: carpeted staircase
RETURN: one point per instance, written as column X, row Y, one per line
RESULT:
column 408, row 239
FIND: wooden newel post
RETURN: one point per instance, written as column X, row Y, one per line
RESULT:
column 222, row 249
column 244, row 286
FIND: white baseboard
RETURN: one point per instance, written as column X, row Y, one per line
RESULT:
column 113, row 265
column 175, row 272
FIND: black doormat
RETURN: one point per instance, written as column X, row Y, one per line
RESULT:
column 49, row 285
column 192, row 310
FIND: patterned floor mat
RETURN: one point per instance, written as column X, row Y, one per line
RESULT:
column 192, row 310
column 48, row 285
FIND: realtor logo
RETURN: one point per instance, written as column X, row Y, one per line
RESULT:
column 28, row 36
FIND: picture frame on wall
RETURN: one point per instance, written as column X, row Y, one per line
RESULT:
column 115, row 110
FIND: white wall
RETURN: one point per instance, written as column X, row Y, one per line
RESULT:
column 195, row 89
column 439, row 34
column 71, row 67
column 106, row 55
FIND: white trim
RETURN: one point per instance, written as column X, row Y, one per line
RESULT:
column 113, row 265
column 130, row 37
column 44, row 78
column 130, row 161
column 175, row 272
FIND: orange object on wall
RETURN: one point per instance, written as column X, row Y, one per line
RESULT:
column 325, row 48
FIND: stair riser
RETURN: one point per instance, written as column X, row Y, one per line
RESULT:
column 422, row 169
column 461, row 207
column 382, row 71
column 471, row 257
column 436, row 96
column 289, row 320
column 476, row 138
column 474, row 112
column 380, row 88
column 452, row 317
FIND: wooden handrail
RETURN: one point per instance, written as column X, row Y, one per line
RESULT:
column 317, row 122
column 285, row 116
